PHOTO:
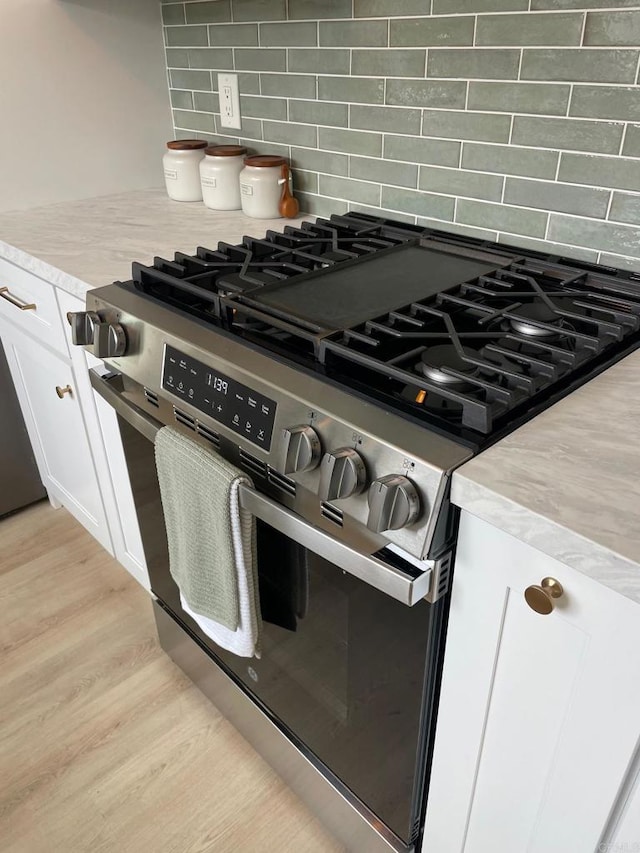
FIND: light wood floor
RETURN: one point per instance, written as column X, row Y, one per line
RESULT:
column 104, row 744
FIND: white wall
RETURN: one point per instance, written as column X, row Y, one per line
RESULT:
column 84, row 108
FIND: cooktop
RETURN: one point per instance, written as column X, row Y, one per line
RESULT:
column 467, row 336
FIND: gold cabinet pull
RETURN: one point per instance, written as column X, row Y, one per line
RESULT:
column 62, row 391
column 541, row 598
column 23, row 306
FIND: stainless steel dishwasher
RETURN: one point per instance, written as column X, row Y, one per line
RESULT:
column 20, row 483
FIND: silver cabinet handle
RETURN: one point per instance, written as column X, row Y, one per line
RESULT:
column 404, row 587
column 14, row 300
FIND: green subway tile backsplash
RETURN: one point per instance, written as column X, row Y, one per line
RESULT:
column 613, row 28
column 388, row 63
column 432, row 32
column 477, row 116
column 353, row 33
column 580, row 66
column 318, row 112
column 211, row 12
column 258, row 10
column 619, row 102
column 319, row 61
column 549, row 99
column 288, row 34
column 351, row 89
column 245, row 35
column 486, row 127
column 601, row 137
column 391, row 119
column 529, row 29
column 474, row 63
column 173, row 13
column 446, row 94
column 434, row 152
column 631, row 147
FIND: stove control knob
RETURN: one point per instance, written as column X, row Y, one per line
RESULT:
column 83, row 325
column 342, row 474
column 300, row 449
column 393, row 503
column 109, row 340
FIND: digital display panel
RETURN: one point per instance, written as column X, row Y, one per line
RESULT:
column 231, row 403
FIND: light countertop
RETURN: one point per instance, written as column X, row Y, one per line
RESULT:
column 77, row 245
column 567, row 482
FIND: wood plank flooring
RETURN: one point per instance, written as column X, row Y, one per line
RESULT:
column 104, row 744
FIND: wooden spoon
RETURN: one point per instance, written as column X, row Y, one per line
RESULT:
column 288, row 205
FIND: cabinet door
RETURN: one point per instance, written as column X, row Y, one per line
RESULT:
column 539, row 720
column 56, row 428
column 104, row 437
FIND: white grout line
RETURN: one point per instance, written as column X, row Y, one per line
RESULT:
column 623, row 139
column 584, row 26
column 519, row 76
column 608, row 212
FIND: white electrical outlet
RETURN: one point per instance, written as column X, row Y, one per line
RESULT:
column 229, row 100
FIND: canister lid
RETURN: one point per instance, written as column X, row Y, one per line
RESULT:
column 186, row 144
column 225, row 150
column 264, row 160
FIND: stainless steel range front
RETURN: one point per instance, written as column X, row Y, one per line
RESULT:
column 348, row 366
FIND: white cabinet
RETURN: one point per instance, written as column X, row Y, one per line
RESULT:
column 56, row 428
column 538, row 736
column 75, row 436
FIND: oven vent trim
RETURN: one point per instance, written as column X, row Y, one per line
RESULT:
column 441, row 577
column 332, row 513
column 281, row 482
column 254, row 465
column 211, row 436
column 184, row 419
column 152, row 398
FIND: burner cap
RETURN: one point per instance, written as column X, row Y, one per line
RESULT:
column 538, row 312
column 446, row 355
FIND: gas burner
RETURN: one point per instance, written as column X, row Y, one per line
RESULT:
column 434, row 359
column 539, row 312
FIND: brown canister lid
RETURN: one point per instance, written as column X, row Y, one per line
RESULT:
column 264, row 160
column 225, row 150
column 186, row 144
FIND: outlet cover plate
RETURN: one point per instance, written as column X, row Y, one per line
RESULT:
column 229, row 96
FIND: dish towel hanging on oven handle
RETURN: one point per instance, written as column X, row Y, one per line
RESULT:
column 212, row 541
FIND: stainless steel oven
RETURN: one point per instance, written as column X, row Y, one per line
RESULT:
column 341, row 700
column 349, row 365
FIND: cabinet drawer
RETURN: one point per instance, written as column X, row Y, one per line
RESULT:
column 20, row 289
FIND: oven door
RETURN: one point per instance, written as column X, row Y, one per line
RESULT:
column 348, row 670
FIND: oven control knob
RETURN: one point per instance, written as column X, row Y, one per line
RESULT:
column 393, row 503
column 342, row 474
column 300, row 449
column 109, row 340
column 83, row 325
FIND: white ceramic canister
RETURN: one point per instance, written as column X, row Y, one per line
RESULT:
column 261, row 185
column 219, row 175
column 182, row 169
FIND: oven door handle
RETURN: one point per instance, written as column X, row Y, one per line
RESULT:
column 408, row 588
column 103, row 382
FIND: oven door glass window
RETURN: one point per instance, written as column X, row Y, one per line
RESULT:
column 344, row 668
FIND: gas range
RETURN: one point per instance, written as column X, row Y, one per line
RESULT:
column 348, row 365
column 358, row 361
